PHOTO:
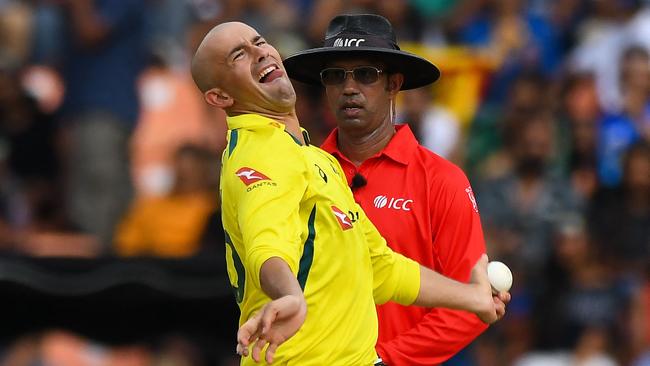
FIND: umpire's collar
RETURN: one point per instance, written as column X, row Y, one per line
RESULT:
column 400, row 148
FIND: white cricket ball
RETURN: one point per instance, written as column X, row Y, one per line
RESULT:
column 500, row 276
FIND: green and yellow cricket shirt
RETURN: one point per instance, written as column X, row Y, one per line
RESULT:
column 284, row 199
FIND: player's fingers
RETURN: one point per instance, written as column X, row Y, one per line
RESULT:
column 267, row 319
column 495, row 315
column 257, row 349
column 256, row 334
column 246, row 334
column 505, row 297
column 243, row 336
column 270, row 352
column 242, row 350
column 500, row 307
column 253, row 327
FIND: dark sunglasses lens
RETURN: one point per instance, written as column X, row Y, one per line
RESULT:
column 332, row 76
column 366, row 75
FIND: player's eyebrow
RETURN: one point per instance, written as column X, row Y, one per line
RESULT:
column 243, row 44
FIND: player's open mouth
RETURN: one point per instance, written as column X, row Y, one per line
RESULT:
column 269, row 74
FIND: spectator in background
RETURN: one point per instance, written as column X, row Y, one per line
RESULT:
column 619, row 130
column 28, row 135
column 640, row 322
column 408, row 24
column 514, row 38
column 31, row 181
column 485, row 155
column 582, row 314
column 520, row 208
column 172, row 225
column 15, row 32
column 6, row 233
column 62, row 347
column 519, row 211
column 171, row 115
column 434, row 126
column 619, row 217
column 104, row 55
column 608, row 28
column 579, row 113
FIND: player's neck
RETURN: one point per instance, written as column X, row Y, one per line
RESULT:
column 292, row 125
column 360, row 147
column 290, row 122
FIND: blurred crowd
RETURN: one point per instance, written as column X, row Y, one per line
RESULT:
column 107, row 149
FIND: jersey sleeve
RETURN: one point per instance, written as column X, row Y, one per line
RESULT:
column 457, row 246
column 269, row 187
column 395, row 277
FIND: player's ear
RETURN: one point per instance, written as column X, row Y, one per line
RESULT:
column 218, row 98
column 395, row 82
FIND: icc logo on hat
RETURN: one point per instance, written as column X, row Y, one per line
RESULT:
column 348, row 42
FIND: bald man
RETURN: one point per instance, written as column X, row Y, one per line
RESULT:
column 305, row 263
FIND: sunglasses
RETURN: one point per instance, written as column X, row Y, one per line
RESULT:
column 337, row 75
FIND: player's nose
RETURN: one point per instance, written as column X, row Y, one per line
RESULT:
column 260, row 53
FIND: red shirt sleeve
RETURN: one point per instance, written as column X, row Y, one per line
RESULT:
column 458, row 243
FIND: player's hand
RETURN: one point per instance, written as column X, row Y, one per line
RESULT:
column 501, row 299
column 489, row 307
column 275, row 323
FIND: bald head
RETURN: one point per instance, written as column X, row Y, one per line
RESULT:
column 239, row 72
column 205, row 63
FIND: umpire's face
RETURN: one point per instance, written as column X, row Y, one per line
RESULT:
column 360, row 102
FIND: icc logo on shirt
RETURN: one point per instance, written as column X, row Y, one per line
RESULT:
column 394, row 203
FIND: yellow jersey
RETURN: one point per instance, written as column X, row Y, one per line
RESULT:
column 284, row 199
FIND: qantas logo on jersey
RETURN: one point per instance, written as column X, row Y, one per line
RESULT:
column 401, row 204
column 253, row 179
column 342, row 218
column 470, row 194
column 250, row 175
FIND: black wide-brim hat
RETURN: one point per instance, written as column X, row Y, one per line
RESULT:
column 361, row 35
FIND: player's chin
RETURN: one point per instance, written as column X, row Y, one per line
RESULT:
column 281, row 94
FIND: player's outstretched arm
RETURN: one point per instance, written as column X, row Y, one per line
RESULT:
column 437, row 290
column 279, row 319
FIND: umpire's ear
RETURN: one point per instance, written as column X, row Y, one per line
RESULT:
column 218, row 98
column 394, row 84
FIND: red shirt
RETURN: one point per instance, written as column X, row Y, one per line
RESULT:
column 424, row 207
